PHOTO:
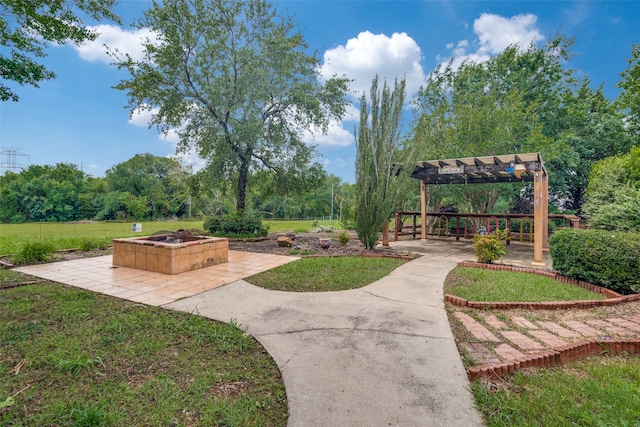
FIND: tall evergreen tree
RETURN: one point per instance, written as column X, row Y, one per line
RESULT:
column 378, row 159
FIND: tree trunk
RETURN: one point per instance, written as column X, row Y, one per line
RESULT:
column 243, row 176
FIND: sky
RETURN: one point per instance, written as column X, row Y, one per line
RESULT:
column 79, row 118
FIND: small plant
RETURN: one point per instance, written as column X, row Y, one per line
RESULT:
column 343, row 238
column 314, row 223
column 490, row 247
column 90, row 244
column 34, row 252
column 78, row 365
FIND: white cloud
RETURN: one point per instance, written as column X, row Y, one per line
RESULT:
column 361, row 58
column 496, row 32
column 142, row 116
column 340, row 162
column 92, row 166
column 115, row 39
column 336, row 136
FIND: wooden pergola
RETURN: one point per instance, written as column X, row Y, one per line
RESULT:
column 488, row 170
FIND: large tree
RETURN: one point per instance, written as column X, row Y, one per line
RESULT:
column 235, row 81
column 157, row 183
column 26, row 26
column 629, row 99
column 379, row 159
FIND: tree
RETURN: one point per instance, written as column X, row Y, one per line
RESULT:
column 629, row 99
column 378, row 161
column 613, row 194
column 592, row 131
column 45, row 193
column 232, row 78
column 27, row 25
column 159, row 183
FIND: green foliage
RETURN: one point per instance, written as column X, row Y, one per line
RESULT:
column 613, row 194
column 250, row 114
column 45, row 193
column 34, row 252
column 90, row 244
column 235, row 226
column 378, row 159
column 629, row 99
column 592, row 130
column 77, row 365
column 350, row 224
column 608, row 259
column 344, row 238
column 489, row 247
column 27, row 26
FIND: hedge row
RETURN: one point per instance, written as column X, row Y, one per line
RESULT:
column 605, row 258
column 235, row 226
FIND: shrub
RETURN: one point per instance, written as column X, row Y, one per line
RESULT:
column 343, row 238
column 608, row 259
column 349, row 225
column 235, row 226
column 489, row 247
column 90, row 244
column 34, row 252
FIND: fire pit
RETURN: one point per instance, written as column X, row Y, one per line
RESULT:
column 170, row 253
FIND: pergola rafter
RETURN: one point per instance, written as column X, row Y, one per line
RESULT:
column 527, row 167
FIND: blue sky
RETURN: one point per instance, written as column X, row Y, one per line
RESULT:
column 78, row 118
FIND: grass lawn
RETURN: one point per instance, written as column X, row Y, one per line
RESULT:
column 477, row 284
column 599, row 391
column 318, row 274
column 69, row 235
column 73, row 357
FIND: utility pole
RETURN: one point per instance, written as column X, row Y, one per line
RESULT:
column 8, row 159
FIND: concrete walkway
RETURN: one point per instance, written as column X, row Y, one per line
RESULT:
column 382, row 355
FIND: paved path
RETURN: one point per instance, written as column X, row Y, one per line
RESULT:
column 382, row 355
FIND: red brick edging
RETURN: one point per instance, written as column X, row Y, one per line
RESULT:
column 613, row 298
column 558, row 356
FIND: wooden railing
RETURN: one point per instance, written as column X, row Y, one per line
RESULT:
column 446, row 224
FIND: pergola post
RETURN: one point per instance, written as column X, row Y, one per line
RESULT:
column 423, row 210
column 385, row 234
column 540, row 218
column 545, row 211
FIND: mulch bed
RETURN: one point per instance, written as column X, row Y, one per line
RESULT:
column 304, row 242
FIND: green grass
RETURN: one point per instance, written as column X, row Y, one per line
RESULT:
column 89, row 359
column 599, row 391
column 318, row 274
column 68, row 235
column 299, row 226
column 477, row 284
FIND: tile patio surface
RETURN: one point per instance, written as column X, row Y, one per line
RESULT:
column 99, row 275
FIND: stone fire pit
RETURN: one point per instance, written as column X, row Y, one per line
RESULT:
column 170, row 253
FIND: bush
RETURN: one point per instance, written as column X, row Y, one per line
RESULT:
column 235, row 226
column 349, row 225
column 90, row 244
column 608, row 259
column 490, row 247
column 343, row 238
column 34, row 252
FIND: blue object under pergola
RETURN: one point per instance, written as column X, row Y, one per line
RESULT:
column 527, row 167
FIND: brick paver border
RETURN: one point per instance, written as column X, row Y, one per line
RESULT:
column 557, row 356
